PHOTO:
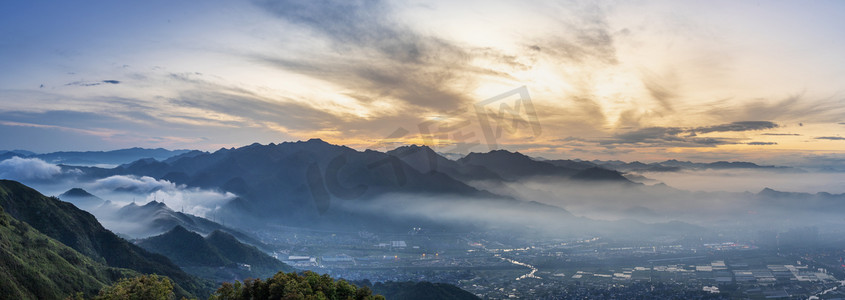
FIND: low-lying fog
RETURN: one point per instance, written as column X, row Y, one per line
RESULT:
column 742, row 180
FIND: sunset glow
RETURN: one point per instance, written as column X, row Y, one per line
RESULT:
column 609, row 80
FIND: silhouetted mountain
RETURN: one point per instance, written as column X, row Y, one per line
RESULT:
column 514, row 165
column 599, row 174
column 154, row 218
column 35, row 266
column 420, row 291
column 424, row 159
column 571, row 164
column 17, row 152
column 7, row 154
column 820, row 202
column 114, row 157
column 673, row 165
column 185, row 248
column 81, row 198
column 238, row 252
column 219, row 256
column 297, row 182
column 82, row 232
column 188, row 154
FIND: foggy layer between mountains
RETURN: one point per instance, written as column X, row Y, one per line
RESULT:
column 547, row 205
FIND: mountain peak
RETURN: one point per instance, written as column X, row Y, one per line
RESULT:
column 155, row 204
column 316, row 141
column 597, row 173
column 407, row 149
column 768, row 191
column 76, row 192
column 178, row 229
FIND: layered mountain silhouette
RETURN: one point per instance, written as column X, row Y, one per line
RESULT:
column 35, row 266
column 153, row 218
column 82, row 199
column 219, row 256
column 81, row 231
column 315, row 184
column 114, row 157
column 673, row 165
column 297, row 181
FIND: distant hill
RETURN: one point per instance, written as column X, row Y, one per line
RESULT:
column 219, row 257
column 82, row 232
column 154, row 218
column 306, row 182
column 572, row 164
column 424, row 159
column 35, row 266
column 81, row 198
column 90, row 158
column 673, row 165
column 819, row 202
column 17, row 152
column 515, row 166
column 141, row 221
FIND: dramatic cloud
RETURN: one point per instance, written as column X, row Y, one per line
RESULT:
column 95, row 83
column 796, row 108
column 178, row 197
column 832, row 138
column 375, row 55
column 17, row 168
column 675, row 136
column 622, row 77
column 737, row 126
column 129, row 183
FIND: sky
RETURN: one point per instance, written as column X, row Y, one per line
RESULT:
column 628, row 80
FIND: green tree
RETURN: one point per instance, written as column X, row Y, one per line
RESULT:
column 146, row 287
column 292, row 286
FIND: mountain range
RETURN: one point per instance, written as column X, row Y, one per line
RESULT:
column 323, row 185
column 314, row 184
column 82, row 232
column 673, row 165
column 36, row 266
column 90, row 158
column 67, row 254
column 218, row 256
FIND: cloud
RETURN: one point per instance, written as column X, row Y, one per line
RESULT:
column 795, row 108
column 781, row 134
column 685, row 137
column 374, row 54
column 94, row 83
column 832, row 138
column 193, row 200
column 28, row 169
column 761, row 143
column 130, row 183
column 665, row 136
column 662, row 89
column 737, row 126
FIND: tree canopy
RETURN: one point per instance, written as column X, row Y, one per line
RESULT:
column 293, row 286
